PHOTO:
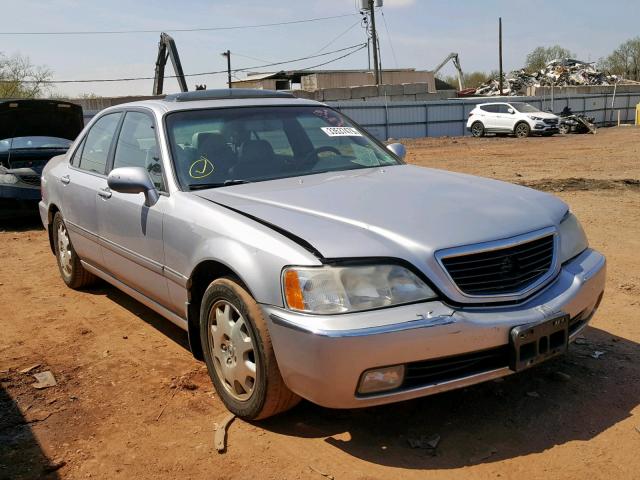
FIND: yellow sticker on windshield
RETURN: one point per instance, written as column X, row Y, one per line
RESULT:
column 201, row 168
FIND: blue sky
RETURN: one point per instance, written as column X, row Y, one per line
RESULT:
column 422, row 32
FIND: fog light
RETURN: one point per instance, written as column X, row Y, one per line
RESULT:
column 381, row 379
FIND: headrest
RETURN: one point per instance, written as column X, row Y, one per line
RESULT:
column 256, row 150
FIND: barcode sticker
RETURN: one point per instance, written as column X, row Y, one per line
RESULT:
column 341, row 132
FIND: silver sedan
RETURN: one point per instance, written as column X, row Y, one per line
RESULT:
column 306, row 259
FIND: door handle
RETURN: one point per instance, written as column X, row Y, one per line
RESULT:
column 65, row 179
column 105, row 193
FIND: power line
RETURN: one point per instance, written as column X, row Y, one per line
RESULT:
column 393, row 51
column 340, row 35
column 197, row 29
column 104, row 80
column 364, row 45
column 250, row 57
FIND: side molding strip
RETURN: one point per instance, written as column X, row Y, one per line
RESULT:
column 179, row 321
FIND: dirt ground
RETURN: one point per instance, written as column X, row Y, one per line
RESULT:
column 131, row 402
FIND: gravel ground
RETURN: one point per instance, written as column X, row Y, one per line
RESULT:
column 131, row 402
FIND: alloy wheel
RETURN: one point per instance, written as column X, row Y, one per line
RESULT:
column 64, row 250
column 232, row 348
column 522, row 130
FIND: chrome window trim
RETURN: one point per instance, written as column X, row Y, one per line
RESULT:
column 440, row 255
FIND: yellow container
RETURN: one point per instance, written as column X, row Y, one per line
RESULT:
column 638, row 114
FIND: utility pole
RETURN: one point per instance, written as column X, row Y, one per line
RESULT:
column 374, row 38
column 228, row 55
column 500, row 51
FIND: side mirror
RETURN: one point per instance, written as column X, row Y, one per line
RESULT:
column 511, row 111
column 398, row 149
column 133, row 180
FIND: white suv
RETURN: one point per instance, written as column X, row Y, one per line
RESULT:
column 518, row 118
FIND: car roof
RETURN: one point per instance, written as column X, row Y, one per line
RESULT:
column 223, row 98
column 492, row 103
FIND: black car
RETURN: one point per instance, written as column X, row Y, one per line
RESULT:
column 31, row 133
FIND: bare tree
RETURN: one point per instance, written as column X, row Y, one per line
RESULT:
column 19, row 78
column 540, row 56
column 471, row 79
column 625, row 60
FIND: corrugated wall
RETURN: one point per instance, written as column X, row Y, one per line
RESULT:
column 449, row 117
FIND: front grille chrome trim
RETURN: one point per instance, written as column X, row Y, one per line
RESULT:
column 519, row 295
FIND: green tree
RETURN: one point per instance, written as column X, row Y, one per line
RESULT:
column 538, row 58
column 625, row 60
column 19, row 78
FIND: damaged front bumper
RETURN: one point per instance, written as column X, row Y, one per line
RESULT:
column 323, row 358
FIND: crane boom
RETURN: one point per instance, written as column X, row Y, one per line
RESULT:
column 167, row 49
column 456, row 63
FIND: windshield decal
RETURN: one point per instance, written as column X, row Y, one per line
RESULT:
column 329, row 116
column 341, row 132
column 201, row 168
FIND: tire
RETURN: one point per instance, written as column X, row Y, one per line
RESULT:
column 477, row 129
column 71, row 270
column 522, row 130
column 236, row 343
column 564, row 129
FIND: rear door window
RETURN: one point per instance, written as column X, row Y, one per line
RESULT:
column 490, row 108
column 75, row 160
column 98, row 142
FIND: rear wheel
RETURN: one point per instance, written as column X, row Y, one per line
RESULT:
column 477, row 129
column 238, row 353
column 522, row 130
column 71, row 270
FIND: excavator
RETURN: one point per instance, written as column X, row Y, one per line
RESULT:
column 456, row 63
column 167, row 50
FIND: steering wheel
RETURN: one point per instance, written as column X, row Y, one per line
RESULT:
column 316, row 151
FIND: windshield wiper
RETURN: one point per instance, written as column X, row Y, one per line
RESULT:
column 226, row 183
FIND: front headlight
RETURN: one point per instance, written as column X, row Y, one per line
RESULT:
column 533, row 117
column 339, row 289
column 573, row 240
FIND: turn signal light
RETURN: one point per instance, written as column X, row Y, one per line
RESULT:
column 292, row 291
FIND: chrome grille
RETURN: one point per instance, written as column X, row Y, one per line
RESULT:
column 550, row 121
column 502, row 271
column 31, row 179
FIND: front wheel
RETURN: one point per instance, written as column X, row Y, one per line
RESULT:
column 523, row 130
column 477, row 129
column 238, row 353
column 71, row 269
column 564, row 129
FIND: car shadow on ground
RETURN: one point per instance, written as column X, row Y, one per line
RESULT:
column 22, row 222
column 21, row 456
column 523, row 414
column 144, row 313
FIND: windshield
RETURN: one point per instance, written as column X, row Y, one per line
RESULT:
column 23, row 143
column 524, row 107
column 217, row 147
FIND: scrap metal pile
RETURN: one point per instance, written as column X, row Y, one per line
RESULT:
column 558, row 73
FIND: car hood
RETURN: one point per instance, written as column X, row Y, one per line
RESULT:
column 543, row 115
column 44, row 118
column 401, row 211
